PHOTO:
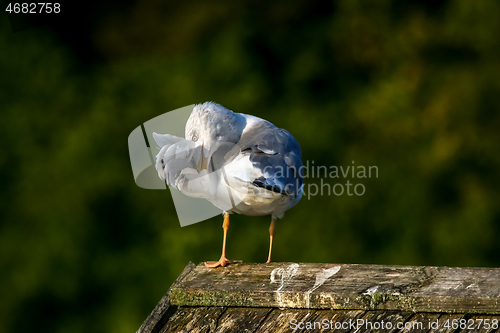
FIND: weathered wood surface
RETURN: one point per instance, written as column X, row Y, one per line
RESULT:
column 194, row 320
column 242, row 319
column 342, row 286
column 236, row 319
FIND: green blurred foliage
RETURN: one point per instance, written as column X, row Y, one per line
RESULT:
column 411, row 87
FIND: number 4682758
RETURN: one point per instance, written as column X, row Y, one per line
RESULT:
column 34, row 8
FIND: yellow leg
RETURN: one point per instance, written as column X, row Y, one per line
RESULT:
column 271, row 236
column 223, row 260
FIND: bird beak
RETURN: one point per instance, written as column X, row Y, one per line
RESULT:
column 203, row 162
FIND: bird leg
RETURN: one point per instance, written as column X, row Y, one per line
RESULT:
column 271, row 236
column 222, row 261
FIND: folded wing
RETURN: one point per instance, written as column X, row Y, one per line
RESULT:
column 277, row 156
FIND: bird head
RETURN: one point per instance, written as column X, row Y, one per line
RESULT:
column 211, row 124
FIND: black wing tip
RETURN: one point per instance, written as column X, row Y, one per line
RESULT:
column 260, row 182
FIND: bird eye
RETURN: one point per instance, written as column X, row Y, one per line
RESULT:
column 195, row 138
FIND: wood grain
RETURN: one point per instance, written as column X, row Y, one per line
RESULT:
column 350, row 287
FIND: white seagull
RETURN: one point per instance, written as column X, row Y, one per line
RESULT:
column 223, row 152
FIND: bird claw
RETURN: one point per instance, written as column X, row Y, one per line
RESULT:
column 223, row 262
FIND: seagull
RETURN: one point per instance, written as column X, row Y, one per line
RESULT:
column 223, row 152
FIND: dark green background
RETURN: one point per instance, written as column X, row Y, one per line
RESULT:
column 409, row 86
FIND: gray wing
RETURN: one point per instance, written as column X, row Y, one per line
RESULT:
column 277, row 155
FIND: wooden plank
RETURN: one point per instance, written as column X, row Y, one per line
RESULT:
column 381, row 321
column 343, row 286
column 194, row 320
column 476, row 289
column 160, row 314
column 279, row 321
column 239, row 320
